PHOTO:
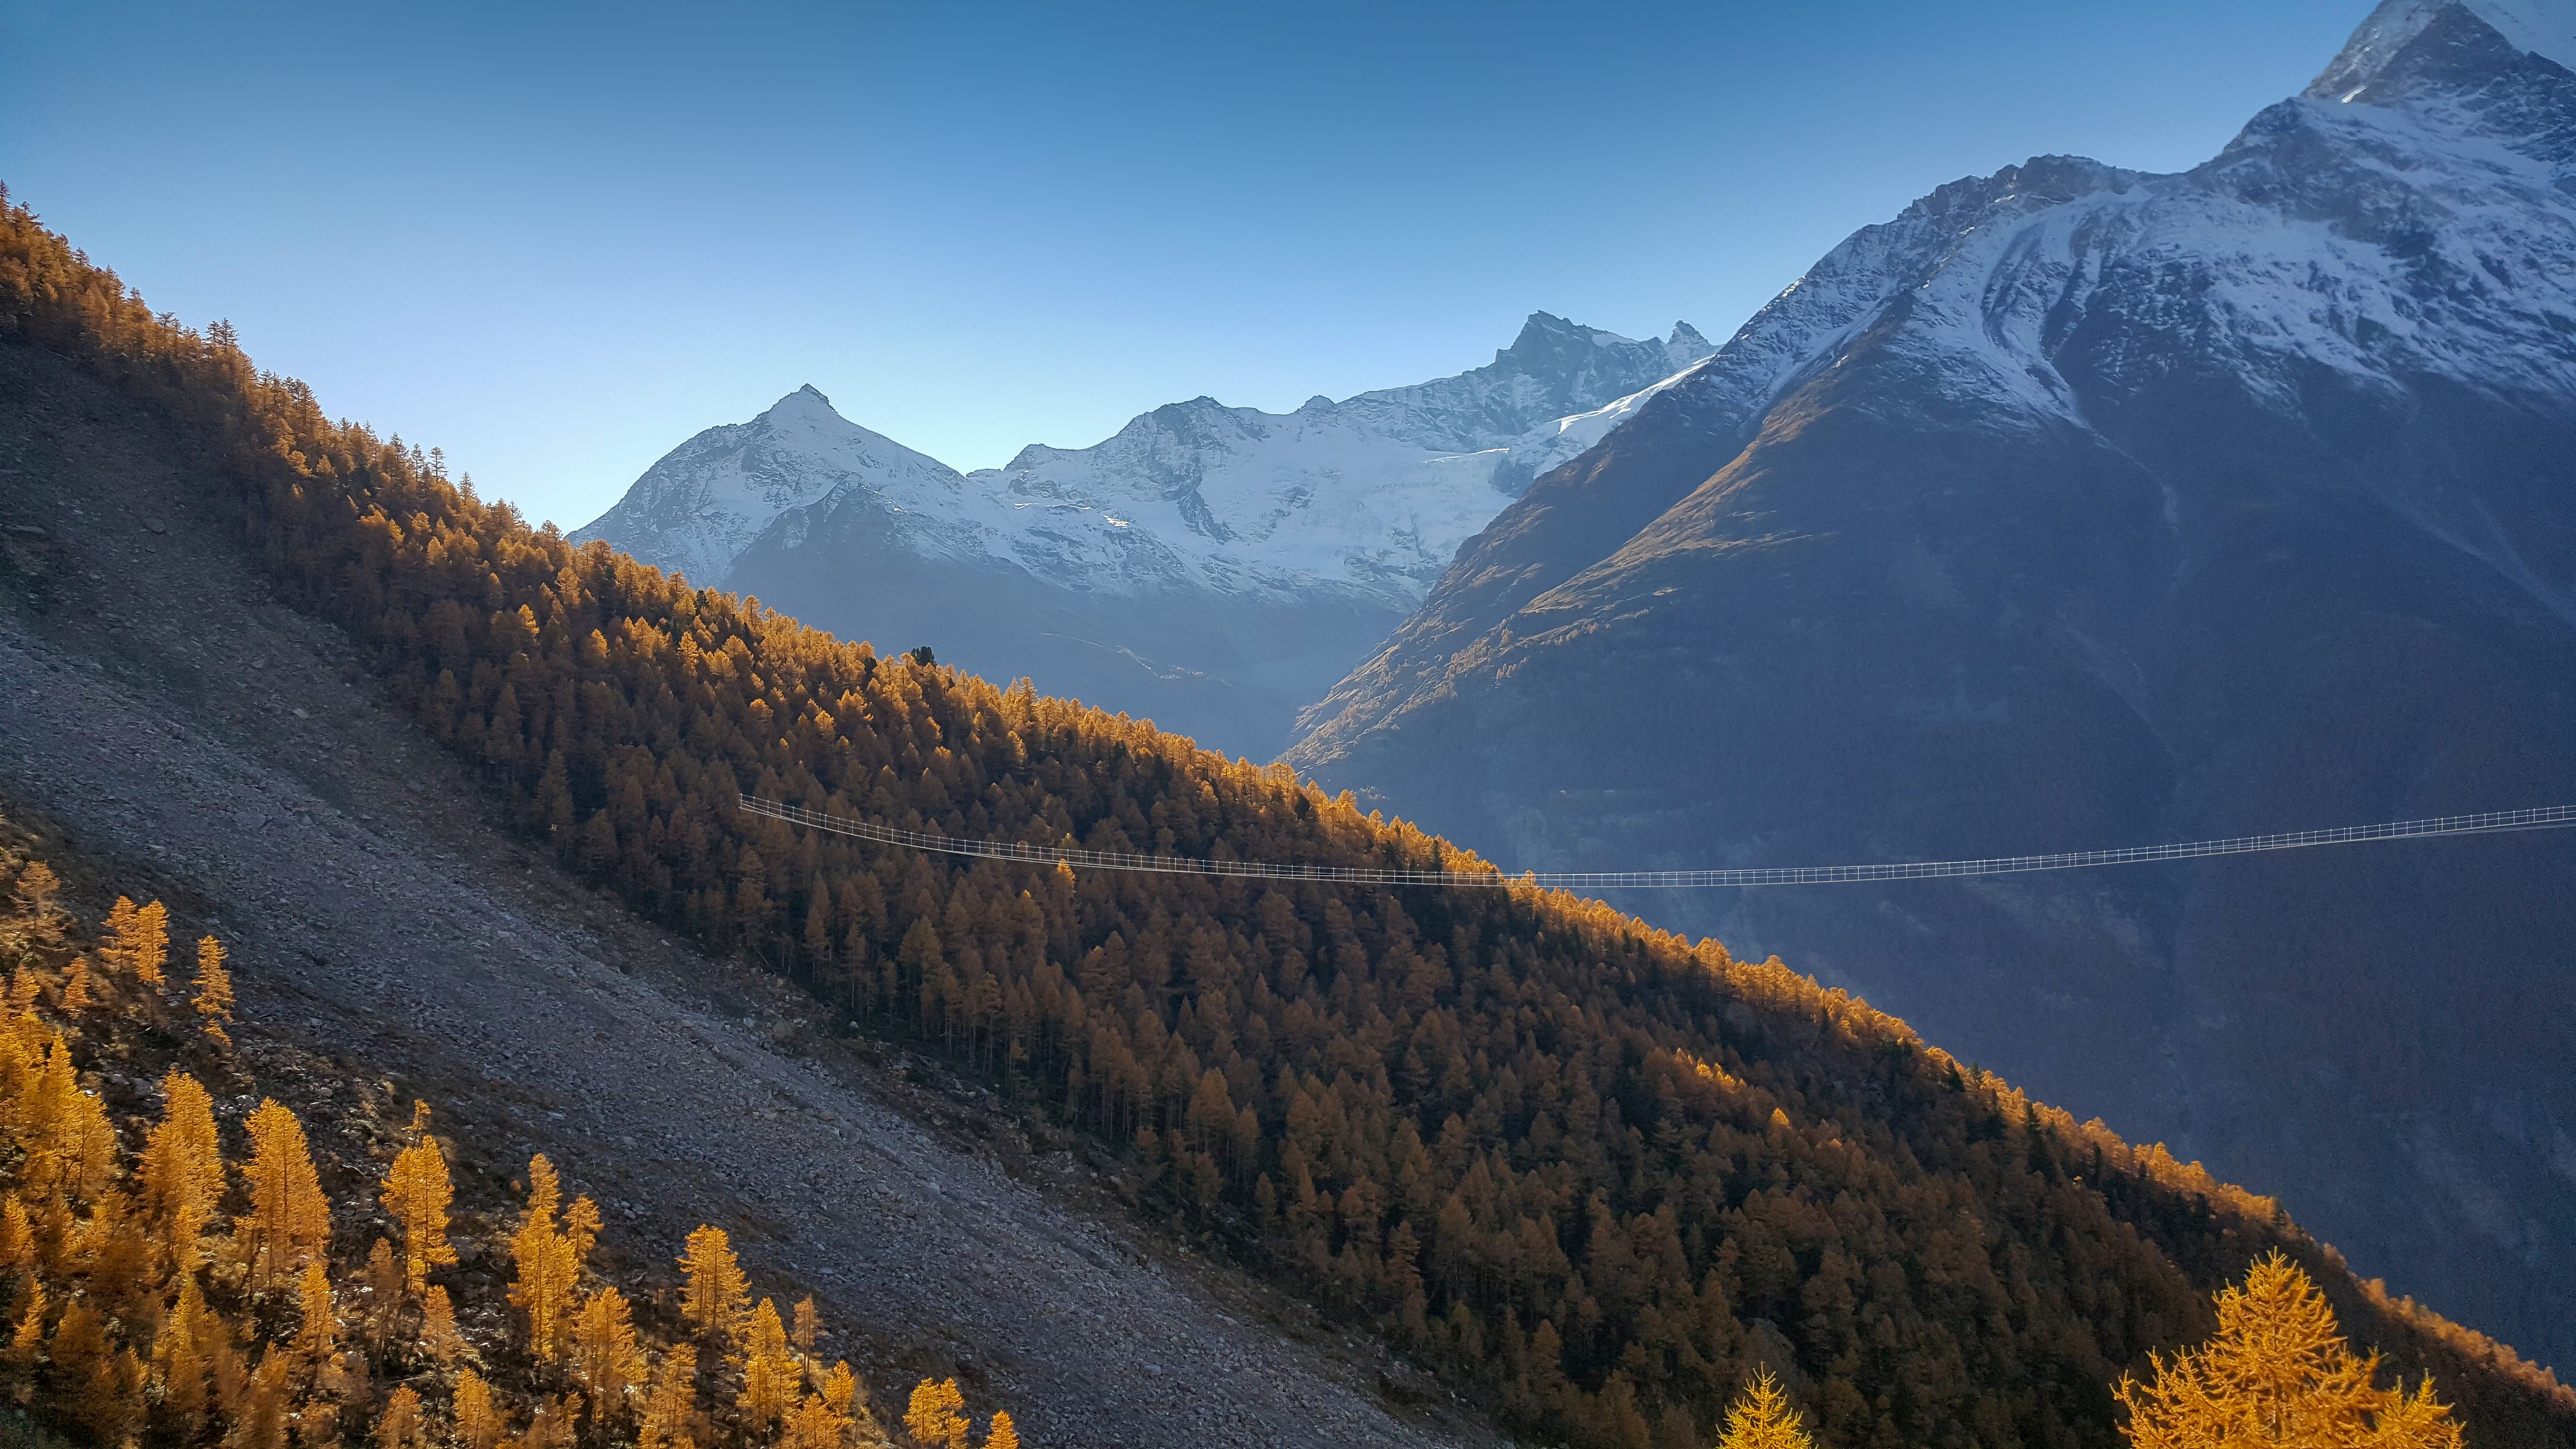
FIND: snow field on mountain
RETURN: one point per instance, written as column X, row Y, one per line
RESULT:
column 1368, row 497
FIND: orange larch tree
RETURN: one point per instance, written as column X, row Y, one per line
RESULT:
column 2278, row 1372
column 715, row 1296
column 549, row 1258
column 417, row 1194
column 289, row 1224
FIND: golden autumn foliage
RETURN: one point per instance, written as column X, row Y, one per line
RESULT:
column 138, row 940
column 814, row 1425
column 289, row 1224
column 417, row 1195
column 839, row 1388
column 214, row 999
column 76, row 993
column 317, row 1317
column 933, row 1419
column 1761, row 1418
column 128, row 1318
column 183, row 1167
column 70, row 1144
column 2278, row 1372
column 29, row 1336
column 715, row 1298
column 671, row 1403
column 769, row 1373
column 479, row 1424
column 400, row 1426
column 1564, row 1160
column 606, row 1363
column 438, row 1336
column 549, row 1256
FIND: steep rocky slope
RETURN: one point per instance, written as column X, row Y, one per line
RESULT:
column 2078, row 507
column 1211, row 567
column 231, row 756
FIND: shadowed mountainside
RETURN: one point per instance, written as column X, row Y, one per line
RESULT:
column 2079, row 508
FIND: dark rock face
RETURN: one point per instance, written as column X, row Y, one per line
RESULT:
column 2081, row 508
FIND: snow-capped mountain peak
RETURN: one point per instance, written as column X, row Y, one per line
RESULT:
column 706, row 500
column 2409, row 215
column 1371, row 495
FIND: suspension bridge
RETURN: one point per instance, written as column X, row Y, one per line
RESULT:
column 2497, row 822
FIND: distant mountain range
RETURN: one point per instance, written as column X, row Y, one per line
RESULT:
column 2082, row 507
column 1212, row 568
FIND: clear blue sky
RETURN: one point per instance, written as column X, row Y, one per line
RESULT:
column 556, row 240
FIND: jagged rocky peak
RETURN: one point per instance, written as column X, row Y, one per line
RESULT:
column 1546, row 337
column 1369, row 496
column 1554, row 350
column 2402, row 38
column 2039, row 181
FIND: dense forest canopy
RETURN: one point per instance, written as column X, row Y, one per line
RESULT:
column 1595, row 1174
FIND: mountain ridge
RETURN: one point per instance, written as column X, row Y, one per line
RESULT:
column 1212, row 568
column 1538, row 394
column 2078, row 507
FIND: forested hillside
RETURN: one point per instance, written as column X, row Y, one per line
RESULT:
column 1593, row 1173
column 2072, row 507
column 181, row 1267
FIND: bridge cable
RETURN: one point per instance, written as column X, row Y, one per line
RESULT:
column 2546, row 817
